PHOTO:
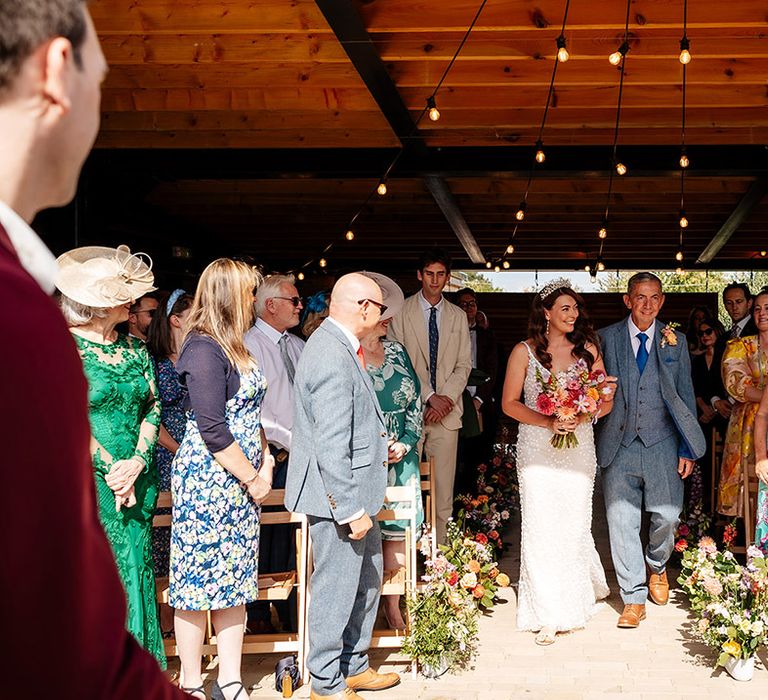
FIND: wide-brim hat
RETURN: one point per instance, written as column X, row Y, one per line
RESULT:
column 103, row 278
column 391, row 294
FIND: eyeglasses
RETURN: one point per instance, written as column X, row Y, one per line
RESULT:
column 468, row 304
column 151, row 312
column 381, row 307
column 296, row 301
column 706, row 331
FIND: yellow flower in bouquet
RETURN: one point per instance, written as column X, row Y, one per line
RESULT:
column 732, row 647
column 502, row 580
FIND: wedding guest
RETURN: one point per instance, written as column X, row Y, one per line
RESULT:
column 222, row 472
column 398, row 392
column 140, row 315
column 315, row 311
column 745, row 374
column 164, row 342
column 278, row 305
column 761, row 439
column 97, row 286
column 337, row 475
column 737, row 299
column 705, row 373
column 436, row 336
column 51, row 66
column 695, row 317
column 647, row 445
column 478, row 448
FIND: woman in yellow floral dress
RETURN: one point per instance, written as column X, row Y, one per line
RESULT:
column 745, row 366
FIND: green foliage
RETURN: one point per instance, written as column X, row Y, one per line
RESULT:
column 479, row 282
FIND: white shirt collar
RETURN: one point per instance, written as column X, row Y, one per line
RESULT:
column 634, row 330
column 33, row 254
column 272, row 333
column 353, row 339
column 426, row 305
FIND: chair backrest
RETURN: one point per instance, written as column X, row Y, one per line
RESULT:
column 427, row 471
column 750, row 490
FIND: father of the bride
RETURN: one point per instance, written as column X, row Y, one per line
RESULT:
column 647, row 445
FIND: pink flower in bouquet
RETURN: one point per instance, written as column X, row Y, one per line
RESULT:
column 683, row 530
column 545, row 404
column 681, row 545
column 566, row 412
column 496, row 461
column 712, row 586
column 707, row 545
column 754, row 552
column 468, row 580
column 478, row 591
column 481, row 468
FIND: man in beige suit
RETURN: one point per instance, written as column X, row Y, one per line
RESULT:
column 436, row 336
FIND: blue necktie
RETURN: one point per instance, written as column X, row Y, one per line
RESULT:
column 434, row 338
column 642, row 352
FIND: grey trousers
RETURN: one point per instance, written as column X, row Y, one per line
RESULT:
column 345, row 589
column 638, row 475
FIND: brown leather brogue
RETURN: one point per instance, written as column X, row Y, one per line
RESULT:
column 658, row 588
column 371, row 680
column 346, row 694
column 632, row 616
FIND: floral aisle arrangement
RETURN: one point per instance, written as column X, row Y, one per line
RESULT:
column 729, row 602
column 570, row 394
column 694, row 521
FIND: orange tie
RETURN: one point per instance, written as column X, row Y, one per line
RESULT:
column 360, row 356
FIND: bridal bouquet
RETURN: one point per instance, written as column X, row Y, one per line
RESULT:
column 570, row 394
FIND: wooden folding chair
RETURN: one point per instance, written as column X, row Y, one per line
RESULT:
column 427, row 472
column 750, row 487
column 717, row 459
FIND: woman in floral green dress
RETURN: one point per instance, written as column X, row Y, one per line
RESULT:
column 399, row 394
column 124, row 417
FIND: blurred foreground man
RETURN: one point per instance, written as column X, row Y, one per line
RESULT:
column 58, row 573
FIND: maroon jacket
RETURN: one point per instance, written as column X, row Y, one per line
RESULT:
column 61, row 601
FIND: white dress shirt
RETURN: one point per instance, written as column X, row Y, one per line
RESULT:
column 634, row 330
column 277, row 408
column 473, row 341
column 33, row 254
column 740, row 326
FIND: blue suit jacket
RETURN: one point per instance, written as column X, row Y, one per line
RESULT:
column 338, row 460
column 676, row 391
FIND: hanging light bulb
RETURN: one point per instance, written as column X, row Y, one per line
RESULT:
column 685, row 51
column 433, row 111
column 322, row 262
column 684, row 160
column 496, row 268
column 520, row 215
column 683, row 219
column 382, row 188
column 679, row 256
column 350, row 235
column 763, row 253
column 562, row 52
column 505, row 264
column 615, row 58
column 600, row 265
column 603, row 232
column 587, row 268
column 621, row 169
column 540, row 155
column 489, row 264
column 510, row 249
column 300, row 276
column 679, row 270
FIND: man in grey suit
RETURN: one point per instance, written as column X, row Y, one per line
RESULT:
column 647, row 445
column 337, row 475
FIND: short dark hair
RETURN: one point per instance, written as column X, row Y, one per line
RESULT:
column 466, row 290
column 435, row 255
column 741, row 286
column 137, row 304
column 640, row 277
column 27, row 24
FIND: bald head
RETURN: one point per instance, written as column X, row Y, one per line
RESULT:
column 351, row 303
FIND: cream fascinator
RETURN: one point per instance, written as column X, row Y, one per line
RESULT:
column 103, row 278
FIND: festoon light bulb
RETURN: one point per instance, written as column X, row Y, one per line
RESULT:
column 382, row 188
column 540, row 155
column 350, row 235
column 562, row 52
column 685, row 51
column 433, row 111
column 520, row 214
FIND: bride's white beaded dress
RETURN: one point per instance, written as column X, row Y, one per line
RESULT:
column 561, row 576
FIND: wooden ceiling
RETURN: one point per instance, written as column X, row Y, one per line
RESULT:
column 199, row 83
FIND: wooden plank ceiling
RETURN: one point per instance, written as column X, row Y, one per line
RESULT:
column 271, row 74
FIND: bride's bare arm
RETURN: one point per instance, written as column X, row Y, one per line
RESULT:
column 513, row 391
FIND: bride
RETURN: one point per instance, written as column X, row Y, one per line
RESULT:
column 561, row 576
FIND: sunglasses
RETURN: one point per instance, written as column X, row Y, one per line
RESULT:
column 706, row 331
column 381, row 307
column 294, row 300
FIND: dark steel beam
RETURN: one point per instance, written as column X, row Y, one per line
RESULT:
column 740, row 214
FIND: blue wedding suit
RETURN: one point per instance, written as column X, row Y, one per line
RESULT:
column 652, row 424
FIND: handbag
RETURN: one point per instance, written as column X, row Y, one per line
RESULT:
column 287, row 676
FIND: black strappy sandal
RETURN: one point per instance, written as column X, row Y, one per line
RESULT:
column 192, row 691
column 218, row 694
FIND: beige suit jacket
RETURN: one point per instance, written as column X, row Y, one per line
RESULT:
column 454, row 351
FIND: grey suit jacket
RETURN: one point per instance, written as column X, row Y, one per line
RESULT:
column 338, row 460
column 676, row 390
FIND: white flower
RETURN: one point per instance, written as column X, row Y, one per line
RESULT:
column 757, row 628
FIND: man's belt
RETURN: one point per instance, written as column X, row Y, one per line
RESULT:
column 278, row 453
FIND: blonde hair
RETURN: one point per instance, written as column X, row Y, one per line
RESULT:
column 223, row 308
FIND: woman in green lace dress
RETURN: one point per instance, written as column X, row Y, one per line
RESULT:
column 124, row 417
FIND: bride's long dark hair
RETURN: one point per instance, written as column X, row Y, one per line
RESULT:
column 580, row 336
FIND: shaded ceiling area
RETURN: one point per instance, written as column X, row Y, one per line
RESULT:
column 259, row 127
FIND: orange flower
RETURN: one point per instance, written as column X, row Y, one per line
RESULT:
column 478, row 591
column 482, row 499
column 474, row 566
column 502, row 580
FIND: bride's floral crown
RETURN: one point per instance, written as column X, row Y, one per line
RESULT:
column 553, row 285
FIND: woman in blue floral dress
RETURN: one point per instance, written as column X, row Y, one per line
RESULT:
column 399, row 394
column 221, row 473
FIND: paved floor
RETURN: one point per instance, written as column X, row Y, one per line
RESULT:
column 658, row 660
